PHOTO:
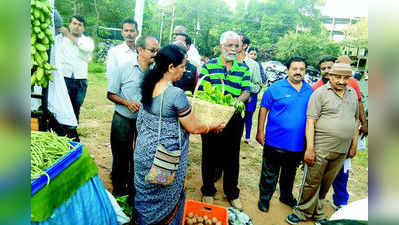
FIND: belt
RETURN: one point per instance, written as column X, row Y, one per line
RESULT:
column 124, row 117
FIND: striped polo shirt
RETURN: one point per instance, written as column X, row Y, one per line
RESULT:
column 236, row 80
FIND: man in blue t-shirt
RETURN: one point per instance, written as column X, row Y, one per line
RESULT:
column 284, row 103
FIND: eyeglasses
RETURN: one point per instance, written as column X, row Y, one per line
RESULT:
column 231, row 45
column 154, row 50
column 324, row 68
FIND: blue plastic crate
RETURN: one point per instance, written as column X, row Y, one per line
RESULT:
column 57, row 168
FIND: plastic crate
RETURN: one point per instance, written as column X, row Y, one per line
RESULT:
column 58, row 167
column 204, row 209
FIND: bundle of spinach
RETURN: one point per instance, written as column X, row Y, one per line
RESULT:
column 126, row 208
column 216, row 96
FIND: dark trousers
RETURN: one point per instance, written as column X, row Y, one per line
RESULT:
column 341, row 195
column 222, row 151
column 123, row 132
column 274, row 161
column 77, row 92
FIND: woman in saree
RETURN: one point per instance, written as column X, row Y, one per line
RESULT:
column 165, row 107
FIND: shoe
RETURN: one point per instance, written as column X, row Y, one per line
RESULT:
column 263, row 206
column 207, row 199
column 293, row 219
column 290, row 202
column 334, row 206
column 236, row 203
column 321, row 222
column 246, row 141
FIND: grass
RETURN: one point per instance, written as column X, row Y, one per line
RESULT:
column 95, row 67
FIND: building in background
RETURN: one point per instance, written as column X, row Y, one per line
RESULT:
column 348, row 25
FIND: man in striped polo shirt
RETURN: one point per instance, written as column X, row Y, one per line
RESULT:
column 222, row 150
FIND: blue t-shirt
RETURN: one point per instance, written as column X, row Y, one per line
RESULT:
column 286, row 122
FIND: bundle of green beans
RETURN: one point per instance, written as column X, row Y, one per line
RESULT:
column 45, row 149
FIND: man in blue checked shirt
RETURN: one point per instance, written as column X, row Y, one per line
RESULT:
column 284, row 103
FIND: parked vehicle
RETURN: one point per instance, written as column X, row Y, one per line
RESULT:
column 274, row 71
column 273, row 76
column 312, row 75
column 274, row 66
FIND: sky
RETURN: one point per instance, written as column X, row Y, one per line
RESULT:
column 346, row 8
column 338, row 8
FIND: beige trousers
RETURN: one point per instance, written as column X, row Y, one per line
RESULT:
column 318, row 180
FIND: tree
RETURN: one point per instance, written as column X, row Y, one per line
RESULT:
column 264, row 22
column 305, row 44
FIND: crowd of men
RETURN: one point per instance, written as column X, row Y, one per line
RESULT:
column 297, row 123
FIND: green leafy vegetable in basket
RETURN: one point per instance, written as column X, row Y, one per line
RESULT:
column 214, row 95
column 46, row 148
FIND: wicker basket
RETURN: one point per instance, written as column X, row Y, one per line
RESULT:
column 210, row 113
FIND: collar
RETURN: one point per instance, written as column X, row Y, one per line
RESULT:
column 126, row 48
column 246, row 59
column 286, row 83
column 220, row 63
column 135, row 62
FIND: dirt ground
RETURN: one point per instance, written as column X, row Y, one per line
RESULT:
column 94, row 129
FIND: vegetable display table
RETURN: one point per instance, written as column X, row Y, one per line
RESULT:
column 76, row 197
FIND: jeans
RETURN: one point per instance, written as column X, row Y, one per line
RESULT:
column 77, row 92
column 222, row 151
column 123, row 133
column 278, row 163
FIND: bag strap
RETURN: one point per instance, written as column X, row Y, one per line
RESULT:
column 160, row 124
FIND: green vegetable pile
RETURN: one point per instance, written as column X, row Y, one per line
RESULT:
column 216, row 96
column 41, row 40
column 126, row 208
column 45, row 149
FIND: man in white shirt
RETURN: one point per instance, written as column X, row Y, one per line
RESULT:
column 192, row 54
column 126, row 51
column 73, row 57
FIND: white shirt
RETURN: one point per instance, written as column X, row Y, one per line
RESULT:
column 118, row 56
column 194, row 57
column 74, row 58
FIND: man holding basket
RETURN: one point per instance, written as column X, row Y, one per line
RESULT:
column 222, row 150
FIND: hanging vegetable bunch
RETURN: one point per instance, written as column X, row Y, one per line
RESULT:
column 41, row 40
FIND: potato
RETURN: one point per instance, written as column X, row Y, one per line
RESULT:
column 214, row 220
column 200, row 219
column 219, row 223
column 189, row 222
column 208, row 222
column 190, row 215
column 205, row 217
